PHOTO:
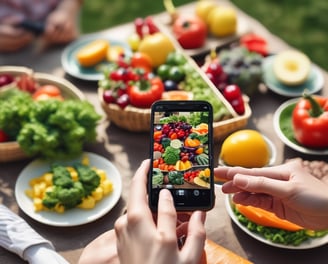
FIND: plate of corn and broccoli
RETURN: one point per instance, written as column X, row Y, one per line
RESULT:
column 68, row 193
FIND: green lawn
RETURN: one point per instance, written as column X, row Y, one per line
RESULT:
column 301, row 23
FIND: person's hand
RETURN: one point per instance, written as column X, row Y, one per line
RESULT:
column 13, row 38
column 141, row 240
column 288, row 190
column 101, row 250
column 60, row 27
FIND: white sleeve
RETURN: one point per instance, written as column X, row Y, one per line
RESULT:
column 17, row 236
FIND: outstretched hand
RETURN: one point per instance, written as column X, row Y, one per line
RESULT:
column 288, row 190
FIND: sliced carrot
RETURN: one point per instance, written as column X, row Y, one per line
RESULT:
column 265, row 218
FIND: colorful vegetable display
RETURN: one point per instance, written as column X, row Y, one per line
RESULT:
column 181, row 149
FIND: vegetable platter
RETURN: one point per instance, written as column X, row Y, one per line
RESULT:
column 181, row 78
column 28, row 81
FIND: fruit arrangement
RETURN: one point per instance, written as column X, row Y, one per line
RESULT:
column 244, row 68
column 209, row 18
column 137, row 83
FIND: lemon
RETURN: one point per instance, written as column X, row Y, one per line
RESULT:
column 246, row 148
column 157, row 46
column 203, row 8
column 222, row 21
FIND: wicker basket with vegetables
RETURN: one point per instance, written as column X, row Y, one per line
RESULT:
column 131, row 84
column 42, row 115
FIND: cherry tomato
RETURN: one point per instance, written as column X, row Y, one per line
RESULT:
column 46, row 92
column 141, row 60
column 3, row 136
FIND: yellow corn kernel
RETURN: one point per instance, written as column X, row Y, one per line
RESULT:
column 59, row 208
column 102, row 174
column 85, row 160
column 98, row 193
column 29, row 193
column 87, row 203
column 39, row 189
column 47, row 178
column 74, row 175
column 107, row 186
column 34, row 181
column 37, row 203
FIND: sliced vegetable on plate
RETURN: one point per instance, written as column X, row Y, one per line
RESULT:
column 272, row 230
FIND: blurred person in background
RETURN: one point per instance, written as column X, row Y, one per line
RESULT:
column 21, row 21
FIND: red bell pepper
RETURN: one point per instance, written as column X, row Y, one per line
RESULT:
column 190, row 31
column 144, row 92
column 310, row 121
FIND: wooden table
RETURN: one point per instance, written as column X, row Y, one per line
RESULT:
column 126, row 150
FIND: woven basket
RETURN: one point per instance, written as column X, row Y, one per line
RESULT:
column 11, row 151
column 138, row 120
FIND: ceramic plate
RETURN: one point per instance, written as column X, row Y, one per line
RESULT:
column 282, row 123
column 71, row 65
column 313, row 84
column 72, row 217
column 311, row 243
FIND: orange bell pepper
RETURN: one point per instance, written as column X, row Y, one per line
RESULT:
column 265, row 218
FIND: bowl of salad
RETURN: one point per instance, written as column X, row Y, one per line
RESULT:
column 37, row 102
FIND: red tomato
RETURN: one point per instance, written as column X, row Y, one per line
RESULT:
column 141, row 60
column 48, row 91
column 3, row 136
column 144, row 93
column 190, row 31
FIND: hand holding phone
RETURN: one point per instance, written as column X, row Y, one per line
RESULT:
column 181, row 154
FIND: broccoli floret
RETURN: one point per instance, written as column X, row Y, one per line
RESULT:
column 61, row 176
column 88, row 177
column 58, row 129
column 171, row 155
column 70, row 197
column 35, row 138
column 15, row 109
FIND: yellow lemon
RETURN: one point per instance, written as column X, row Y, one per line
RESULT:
column 204, row 7
column 157, row 46
column 222, row 21
column 246, row 148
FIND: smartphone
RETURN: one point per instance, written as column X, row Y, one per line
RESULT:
column 181, row 154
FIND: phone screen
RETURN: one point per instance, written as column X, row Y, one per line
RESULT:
column 181, row 154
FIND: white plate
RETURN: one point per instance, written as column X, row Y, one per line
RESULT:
column 313, row 84
column 71, row 65
column 311, row 243
column 284, row 113
column 72, row 217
